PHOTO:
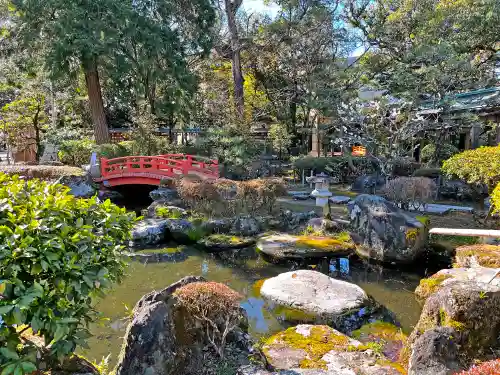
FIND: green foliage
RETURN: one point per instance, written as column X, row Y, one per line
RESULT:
column 58, row 254
column 480, row 166
column 337, row 166
column 235, row 149
column 280, row 137
column 428, row 172
column 111, row 150
column 169, row 213
column 495, row 199
column 428, row 154
column 76, row 152
column 23, row 120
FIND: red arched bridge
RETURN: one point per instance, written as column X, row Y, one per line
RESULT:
column 150, row 170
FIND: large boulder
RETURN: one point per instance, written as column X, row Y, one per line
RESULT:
column 386, row 233
column 150, row 232
column 460, row 190
column 478, row 255
column 320, row 299
column 162, row 339
column 446, row 277
column 81, row 186
column 165, row 194
column 286, row 246
column 321, row 348
column 469, row 307
column 246, row 226
column 436, row 352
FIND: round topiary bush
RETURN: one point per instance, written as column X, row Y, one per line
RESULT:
column 446, row 151
column 57, row 254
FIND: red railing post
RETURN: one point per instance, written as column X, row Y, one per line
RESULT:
column 104, row 165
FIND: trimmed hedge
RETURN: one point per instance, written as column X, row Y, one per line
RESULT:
column 43, row 172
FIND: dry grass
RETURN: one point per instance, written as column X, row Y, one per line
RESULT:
column 486, row 368
column 43, row 172
column 410, row 190
column 215, row 307
column 225, row 197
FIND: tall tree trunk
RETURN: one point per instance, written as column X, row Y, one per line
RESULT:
column 239, row 101
column 38, row 141
column 101, row 131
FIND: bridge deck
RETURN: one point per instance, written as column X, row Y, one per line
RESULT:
column 152, row 169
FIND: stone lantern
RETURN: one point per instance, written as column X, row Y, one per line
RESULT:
column 321, row 191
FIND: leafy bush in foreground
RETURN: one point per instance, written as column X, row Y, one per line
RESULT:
column 57, row 254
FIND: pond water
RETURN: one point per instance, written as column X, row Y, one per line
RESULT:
column 391, row 287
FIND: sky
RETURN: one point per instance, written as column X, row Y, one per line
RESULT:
column 272, row 9
column 259, row 7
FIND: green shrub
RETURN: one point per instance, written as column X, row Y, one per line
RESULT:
column 76, row 152
column 495, row 200
column 446, row 151
column 481, row 166
column 44, row 172
column 403, row 166
column 337, row 166
column 428, row 172
column 58, row 254
column 111, row 150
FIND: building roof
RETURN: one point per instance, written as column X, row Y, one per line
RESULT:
column 476, row 100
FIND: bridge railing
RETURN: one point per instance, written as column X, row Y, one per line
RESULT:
column 170, row 165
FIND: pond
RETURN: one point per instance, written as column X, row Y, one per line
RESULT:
column 391, row 287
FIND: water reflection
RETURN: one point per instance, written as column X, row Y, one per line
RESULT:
column 391, row 288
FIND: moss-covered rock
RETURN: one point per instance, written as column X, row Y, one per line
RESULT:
column 445, row 277
column 470, row 308
column 223, row 242
column 322, row 347
column 478, row 255
column 389, row 338
column 285, row 246
column 430, row 285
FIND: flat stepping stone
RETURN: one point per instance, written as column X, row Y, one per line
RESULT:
column 440, row 209
column 158, row 255
column 340, row 199
column 286, row 246
column 221, row 242
column 315, row 294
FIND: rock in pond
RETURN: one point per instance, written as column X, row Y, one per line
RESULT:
column 446, row 277
column 171, row 254
column 165, row 194
column 222, row 242
column 81, row 186
column 286, row 246
column 320, row 299
column 163, row 339
column 159, row 210
column 470, row 308
column 436, row 352
column 319, row 224
column 325, row 350
column 150, row 232
column 246, row 226
column 478, row 255
column 386, row 233
column 389, row 338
